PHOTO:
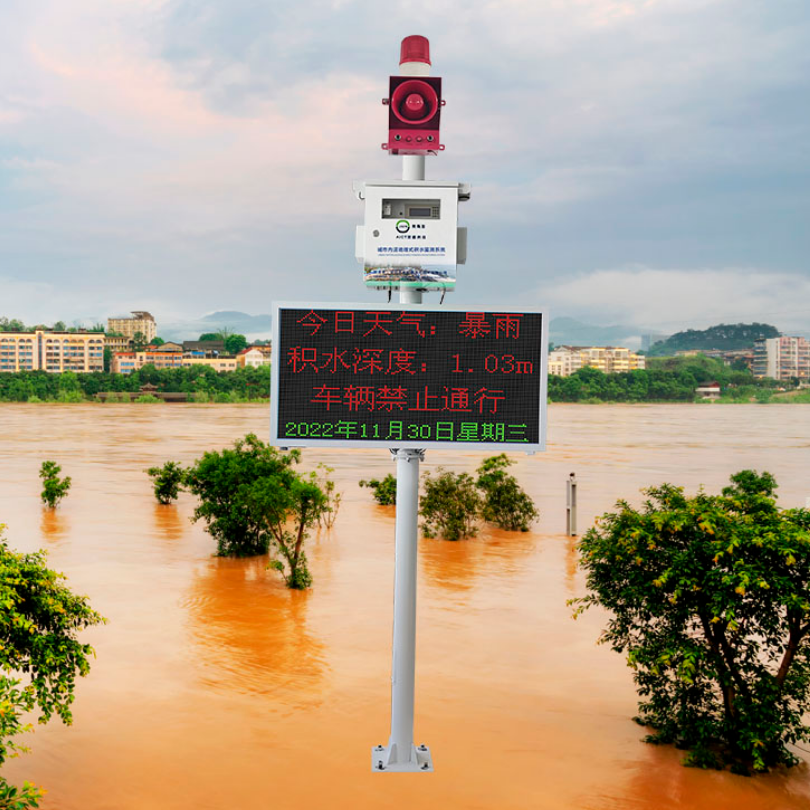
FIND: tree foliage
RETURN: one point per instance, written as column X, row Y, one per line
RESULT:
column 235, row 343
column 54, row 488
column 666, row 379
column 40, row 618
column 710, row 601
column 167, row 481
column 384, row 491
column 243, row 383
column 505, row 503
column 450, row 505
column 251, row 497
column 726, row 337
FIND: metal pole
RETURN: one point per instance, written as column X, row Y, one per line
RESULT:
column 401, row 754
column 571, row 505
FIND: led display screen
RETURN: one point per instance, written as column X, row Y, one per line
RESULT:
column 408, row 376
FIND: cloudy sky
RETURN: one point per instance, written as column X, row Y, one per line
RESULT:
column 632, row 161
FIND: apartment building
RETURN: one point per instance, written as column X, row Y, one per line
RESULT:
column 55, row 352
column 566, row 360
column 117, row 343
column 140, row 322
column 127, row 362
column 782, row 358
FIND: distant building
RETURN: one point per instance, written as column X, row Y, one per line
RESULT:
column 566, row 360
column 117, row 343
column 127, row 362
column 252, row 357
column 782, row 357
column 168, row 346
column 204, row 348
column 141, row 322
column 648, row 341
column 709, row 391
column 55, row 352
column 225, row 362
column 745, row 356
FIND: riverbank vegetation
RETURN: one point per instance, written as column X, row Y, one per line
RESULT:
column 199, row 383
column 666, row 379
column 39, row 621
column 710, row 602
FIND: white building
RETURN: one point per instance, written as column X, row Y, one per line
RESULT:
column 782, row 358
column 252, row 357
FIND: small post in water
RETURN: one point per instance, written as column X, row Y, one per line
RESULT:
column 571, row 505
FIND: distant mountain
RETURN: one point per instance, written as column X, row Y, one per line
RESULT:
column 725, row 337
column 570, row 332
column 253, row 327
column 562, row 331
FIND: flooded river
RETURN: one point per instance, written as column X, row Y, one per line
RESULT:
column 216, row 687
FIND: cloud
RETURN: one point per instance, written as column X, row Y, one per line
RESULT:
column 674, row 299
column 186, row 151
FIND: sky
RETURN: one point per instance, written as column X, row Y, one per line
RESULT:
column 640, row 162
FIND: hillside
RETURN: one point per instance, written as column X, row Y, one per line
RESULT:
column 725, row 337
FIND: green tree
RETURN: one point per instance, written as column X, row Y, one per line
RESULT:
column 505, row 503
column 210, row 336
column 384, row 491
column 289, row 504
column 158, row 341
column 59, row 326
column 450, row 505
column 251, row 496
column 54, row 488
column 235, row 343
column 167, row 480
column 710, row 601
column 139, row 341
column 39, row 621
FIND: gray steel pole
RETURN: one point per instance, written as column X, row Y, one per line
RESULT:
column 401, row 754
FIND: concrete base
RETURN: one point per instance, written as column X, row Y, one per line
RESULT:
column 385, row 759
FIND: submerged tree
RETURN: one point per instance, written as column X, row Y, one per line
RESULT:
column 251, row 496
column 710, row 601
column 54, row 488
column 168, row 481
column 505, row 503
column 39, row 620
column 450, row 505
column 384, row 491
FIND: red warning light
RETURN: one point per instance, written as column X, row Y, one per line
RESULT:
column 414, row 48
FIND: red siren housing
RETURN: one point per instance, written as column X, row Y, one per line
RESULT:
column 414, row 110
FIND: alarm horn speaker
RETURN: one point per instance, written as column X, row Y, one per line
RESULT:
column 414, row 111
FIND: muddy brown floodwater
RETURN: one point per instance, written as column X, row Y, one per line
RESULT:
column 215, row 687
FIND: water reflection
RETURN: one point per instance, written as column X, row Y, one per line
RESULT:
column 251, row 633
column 168, row 521
column 54, row 525
column 571, row 562
column 456, row 565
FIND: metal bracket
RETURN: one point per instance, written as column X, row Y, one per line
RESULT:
column 384, row 759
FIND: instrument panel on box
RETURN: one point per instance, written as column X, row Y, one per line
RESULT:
column 411, row 209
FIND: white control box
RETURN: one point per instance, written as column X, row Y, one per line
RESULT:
column 410, row 237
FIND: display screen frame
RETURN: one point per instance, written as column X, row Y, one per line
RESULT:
column 504, row 446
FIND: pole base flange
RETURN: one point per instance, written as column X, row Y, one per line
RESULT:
column 386, row 759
